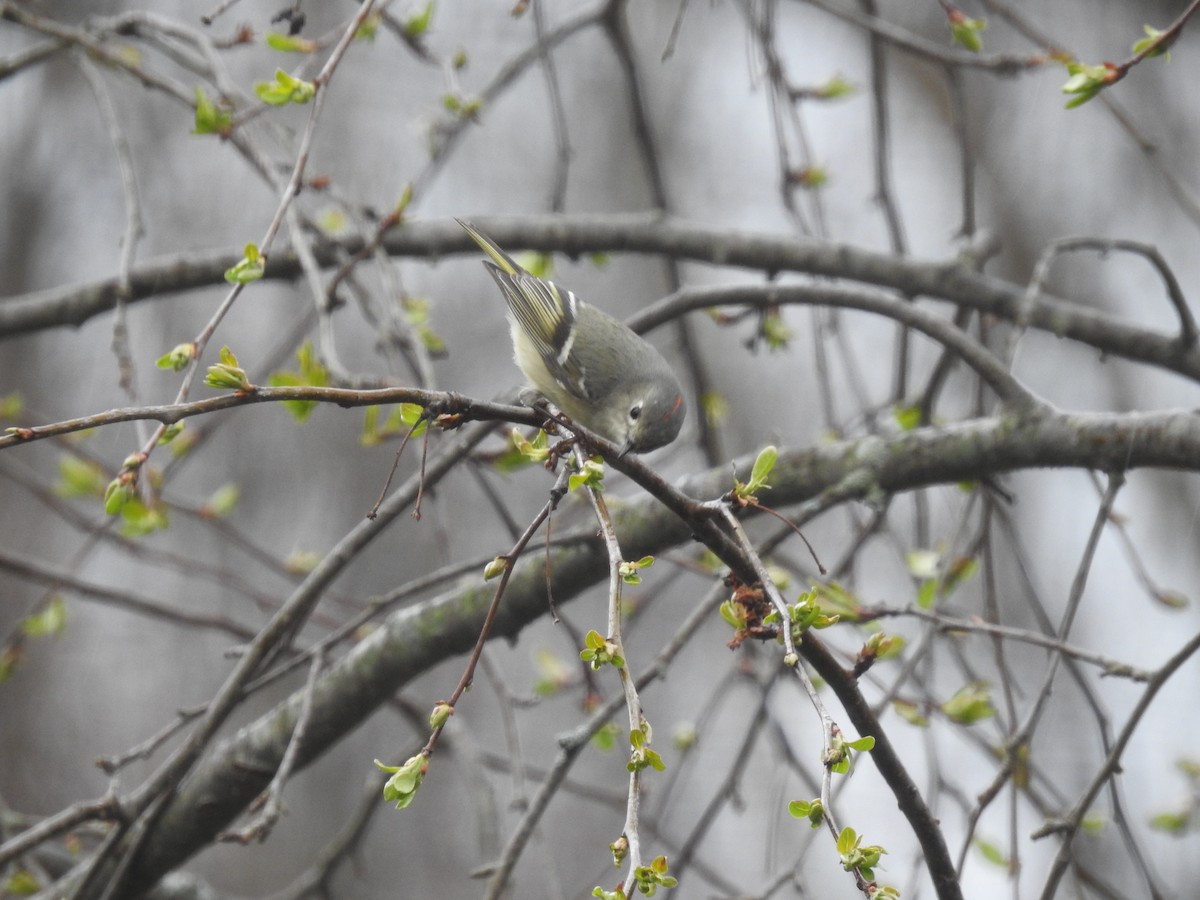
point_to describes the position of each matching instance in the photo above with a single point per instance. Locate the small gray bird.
(585, 362)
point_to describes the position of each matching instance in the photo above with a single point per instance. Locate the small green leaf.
(599, 650)
(222, 502)
(402, 787)
(463, 107)
(961, 568)
(311, 373)
(715, 407)
(836, 599)
(910, 712)
(590, 474)
(522, 451)
(400, 421)
(442, 711)
(10, 406)
(369, 27)
(927, 593)
(1172, 823)
(1189, 767)
(406, 199)
(965, 31)
(171, 432)
(763, 465)
(809, 177)
(284, 89)
(882, 645)
(52, 620)
(417, 24)
(290, 43)
(119, 492)
(227, 373)
(734, 614)
(211, 118)
(855, 857)
(79, 478)
(251, 268)
(24, 883)
(907, 417)
(629, 570)
(605, 738)
(992, 853)
(1087, 81)
(495, 568)
(835, 88)
(1153, 36)
(10, 657)
(971, 704)
(813, 810)
(774, 331)
(178, 357)
(649, 879)
(139, 520)
(554, 675)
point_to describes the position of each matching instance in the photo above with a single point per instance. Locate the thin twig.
(1068, 826)
(260, 827)
(485, 630)
(631, 830)
(573, 743)
(102, 809)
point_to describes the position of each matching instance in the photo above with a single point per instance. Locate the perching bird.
(585, 362)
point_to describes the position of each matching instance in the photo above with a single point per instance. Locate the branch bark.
(578, 235)
(411, 641)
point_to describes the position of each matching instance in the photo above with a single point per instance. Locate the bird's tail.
(499, 257)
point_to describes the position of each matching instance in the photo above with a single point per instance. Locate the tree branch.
(579, 235)
(411, 641)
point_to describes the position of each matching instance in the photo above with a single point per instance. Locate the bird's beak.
(626, 446)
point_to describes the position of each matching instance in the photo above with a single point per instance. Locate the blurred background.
(715, 113)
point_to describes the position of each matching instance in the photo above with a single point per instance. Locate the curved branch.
(411, 641)
(653, 234)
(1003, 64)
(458, 407)
(974, 354)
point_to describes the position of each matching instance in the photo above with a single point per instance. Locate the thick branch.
(578, 235)
(411, 641)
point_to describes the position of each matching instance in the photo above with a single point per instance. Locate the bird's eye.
(635, 412)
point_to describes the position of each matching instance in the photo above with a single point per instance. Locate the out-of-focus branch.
(412, 640)
(578, 235)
